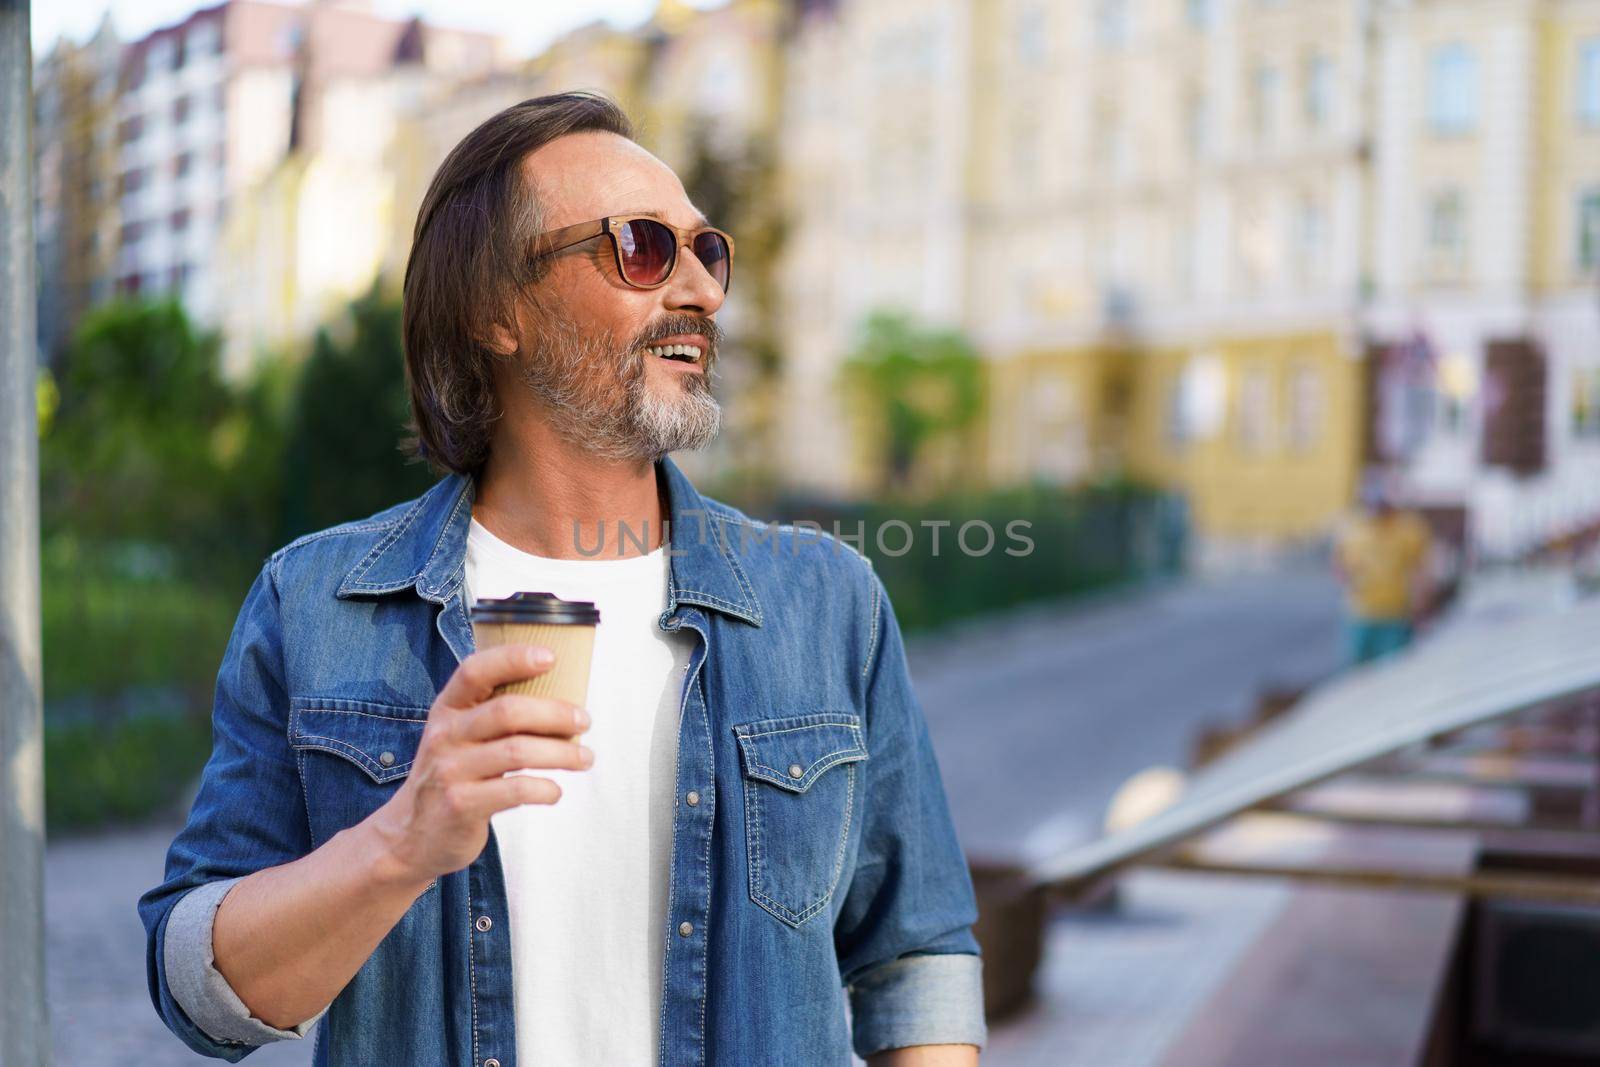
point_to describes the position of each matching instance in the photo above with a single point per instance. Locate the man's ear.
(500, 340)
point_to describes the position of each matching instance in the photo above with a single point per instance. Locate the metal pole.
(24, 1025)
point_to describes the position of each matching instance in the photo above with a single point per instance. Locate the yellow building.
(1147, 215)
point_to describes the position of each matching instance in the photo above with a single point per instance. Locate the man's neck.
(570, 505)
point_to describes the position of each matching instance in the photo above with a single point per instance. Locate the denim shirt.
(818, 867)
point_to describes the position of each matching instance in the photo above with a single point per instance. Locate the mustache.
(673, 325)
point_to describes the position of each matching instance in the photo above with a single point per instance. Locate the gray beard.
(600, 399)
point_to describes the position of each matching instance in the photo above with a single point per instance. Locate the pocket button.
(386, 758)
(796, 771)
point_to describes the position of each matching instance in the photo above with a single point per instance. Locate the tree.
(133, 454)
(921, 385)
(343, 459)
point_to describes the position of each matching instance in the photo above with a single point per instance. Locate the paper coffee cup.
(566, 627)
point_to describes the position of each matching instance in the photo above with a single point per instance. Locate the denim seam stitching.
(717, 602)
(739, 576)
(360, 757)
(852, 724)
(815, 771)
(872, 641)
(472, 972)
(461, 498)
(321, 706)
(757, 867)
(357, 581)
(337, 531)
(785, 527)
(705, 853)
(305, 794)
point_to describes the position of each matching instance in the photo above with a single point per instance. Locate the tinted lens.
(646, 248)
(711, 250)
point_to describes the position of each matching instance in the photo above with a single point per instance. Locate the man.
(1379, 555)
(743, 822)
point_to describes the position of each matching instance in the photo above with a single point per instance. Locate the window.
(180, 220)
(1452, 90)
(1319, 92)
(1589, 82)
(1304, 407)
(204, 38)
(1111, 21)
(1025, 150)
(1032, 35)
(181, 164)
(1175, 424)
(1196, 119)
(1264, 103)
(1586, 402)
(1310, 239)
(1111, 143)
(1200, 12)
(1254, 426)
(130, 129)
(180, 110)
(131, 181)
(1589, 229)
(1446, 230)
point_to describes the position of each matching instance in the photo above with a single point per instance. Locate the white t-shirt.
(586, 878)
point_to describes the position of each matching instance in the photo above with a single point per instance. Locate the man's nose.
(692, 287)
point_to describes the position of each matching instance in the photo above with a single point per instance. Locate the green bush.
(98, 773)
(1082, 539)
(106, 633)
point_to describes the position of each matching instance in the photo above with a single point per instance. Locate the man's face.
(581, 353)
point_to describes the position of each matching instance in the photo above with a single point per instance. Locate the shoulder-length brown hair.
(470, 255)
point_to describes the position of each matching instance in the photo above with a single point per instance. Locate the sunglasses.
(647, 248)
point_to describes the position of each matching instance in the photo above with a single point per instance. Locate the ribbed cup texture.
(572, 644)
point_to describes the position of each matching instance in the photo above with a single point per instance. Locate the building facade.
(1484, 330)
(1147, 215)
(75, 172)
(221, 117)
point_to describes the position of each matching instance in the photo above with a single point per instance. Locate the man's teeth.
(689, 352)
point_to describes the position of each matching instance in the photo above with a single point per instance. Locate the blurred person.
(743, 831)
(1380, 556)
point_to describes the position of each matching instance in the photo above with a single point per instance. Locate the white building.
(1487, 263)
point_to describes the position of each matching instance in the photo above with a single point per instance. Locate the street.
(1037, 717)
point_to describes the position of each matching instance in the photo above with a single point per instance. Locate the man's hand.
(438, 821)
(926, 1056)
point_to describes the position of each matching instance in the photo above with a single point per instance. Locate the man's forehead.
(588, 176)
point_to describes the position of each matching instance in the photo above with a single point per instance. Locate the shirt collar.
(427, 549)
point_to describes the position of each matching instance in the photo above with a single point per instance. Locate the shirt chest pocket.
(799, 799)
(353, 755)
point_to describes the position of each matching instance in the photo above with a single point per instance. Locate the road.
(1037, 718)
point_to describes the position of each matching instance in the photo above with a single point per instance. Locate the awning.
(1470, 675)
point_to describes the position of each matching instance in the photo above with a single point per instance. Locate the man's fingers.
(477, 676)
(516, 713)
(522, 751)
(484, 798)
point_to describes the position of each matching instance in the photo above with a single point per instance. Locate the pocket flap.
(381, 739)
(773, 750)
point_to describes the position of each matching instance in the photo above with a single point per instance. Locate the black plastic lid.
(536, 608)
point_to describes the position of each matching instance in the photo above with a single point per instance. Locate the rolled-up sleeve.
(248, 815)
(196, 984)
(904, 931)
